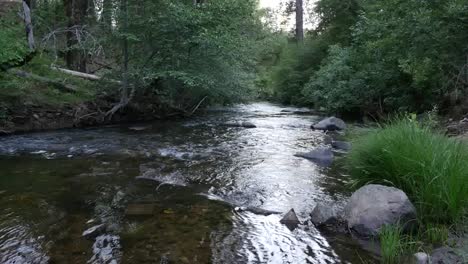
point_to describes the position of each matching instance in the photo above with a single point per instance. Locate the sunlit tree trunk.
(28, 25)
(299, 21)
(125, 52)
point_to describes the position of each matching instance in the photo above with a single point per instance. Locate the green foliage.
(185, 52)
(426, 165)
(378, 72)
(13, 46)
(299, 61)
(337, 85)
(16, 92)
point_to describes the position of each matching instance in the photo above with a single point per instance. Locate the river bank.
(33, 118)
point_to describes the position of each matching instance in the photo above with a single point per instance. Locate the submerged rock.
(324, 214)
(330, 124)
(256, 210)
(341, 145)
(140, 209)
(290, 219)
(373, 206)
(94, 231)
(138, 128)
(245, 124)
(321, 156)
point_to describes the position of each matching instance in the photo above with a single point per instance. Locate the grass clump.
(391, 242)
(429, 167)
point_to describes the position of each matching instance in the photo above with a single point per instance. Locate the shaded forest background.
(168, 58)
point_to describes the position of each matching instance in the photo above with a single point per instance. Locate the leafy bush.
(366, 68)
(430, 167)
(13, 47)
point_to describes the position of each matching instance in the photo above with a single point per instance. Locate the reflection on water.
(150, 188)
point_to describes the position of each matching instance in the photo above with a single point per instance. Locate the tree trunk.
(76, 12)
(299, 21)
(28, 26)
(125, 53)
(125, 96)
(106, 17)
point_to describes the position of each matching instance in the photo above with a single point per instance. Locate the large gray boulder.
(321, 156)
(330, 124)
(373, 206)
(324, 214)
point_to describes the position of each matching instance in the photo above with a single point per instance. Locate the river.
(170, 192)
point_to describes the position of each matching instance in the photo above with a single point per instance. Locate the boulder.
(445, 255)
(321, 156)
(373, 206)
(341, 145)
(324, 214)
(290, 220)
(330, 124)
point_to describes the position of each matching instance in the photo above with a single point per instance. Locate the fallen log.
(83, 75)
(58, 84)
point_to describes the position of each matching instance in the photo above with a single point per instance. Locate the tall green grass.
(429, 167)
(391, 244)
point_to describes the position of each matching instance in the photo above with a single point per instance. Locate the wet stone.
(138, 128)
(341, 145)
(324, 214)
(290, 220)
(330, 124)
(140, 209)
(94, 231)
(321, 156)
(421, 258)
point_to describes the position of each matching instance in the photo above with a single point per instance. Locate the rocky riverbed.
(192, 191)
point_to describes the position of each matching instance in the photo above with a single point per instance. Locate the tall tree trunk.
(125, 53)
(299, 21)
(125, 95)
(106, 17)
(91, 11)
(76, 12)
(28, 25)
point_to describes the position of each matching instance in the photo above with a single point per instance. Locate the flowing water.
(171, 192)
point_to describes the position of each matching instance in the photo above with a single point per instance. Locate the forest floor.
(30, 105)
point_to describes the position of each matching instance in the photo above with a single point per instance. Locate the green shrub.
(431, 168)
(13, 47)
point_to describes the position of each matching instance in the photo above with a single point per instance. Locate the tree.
(75, 11)
(299, 21)
(28, 24)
